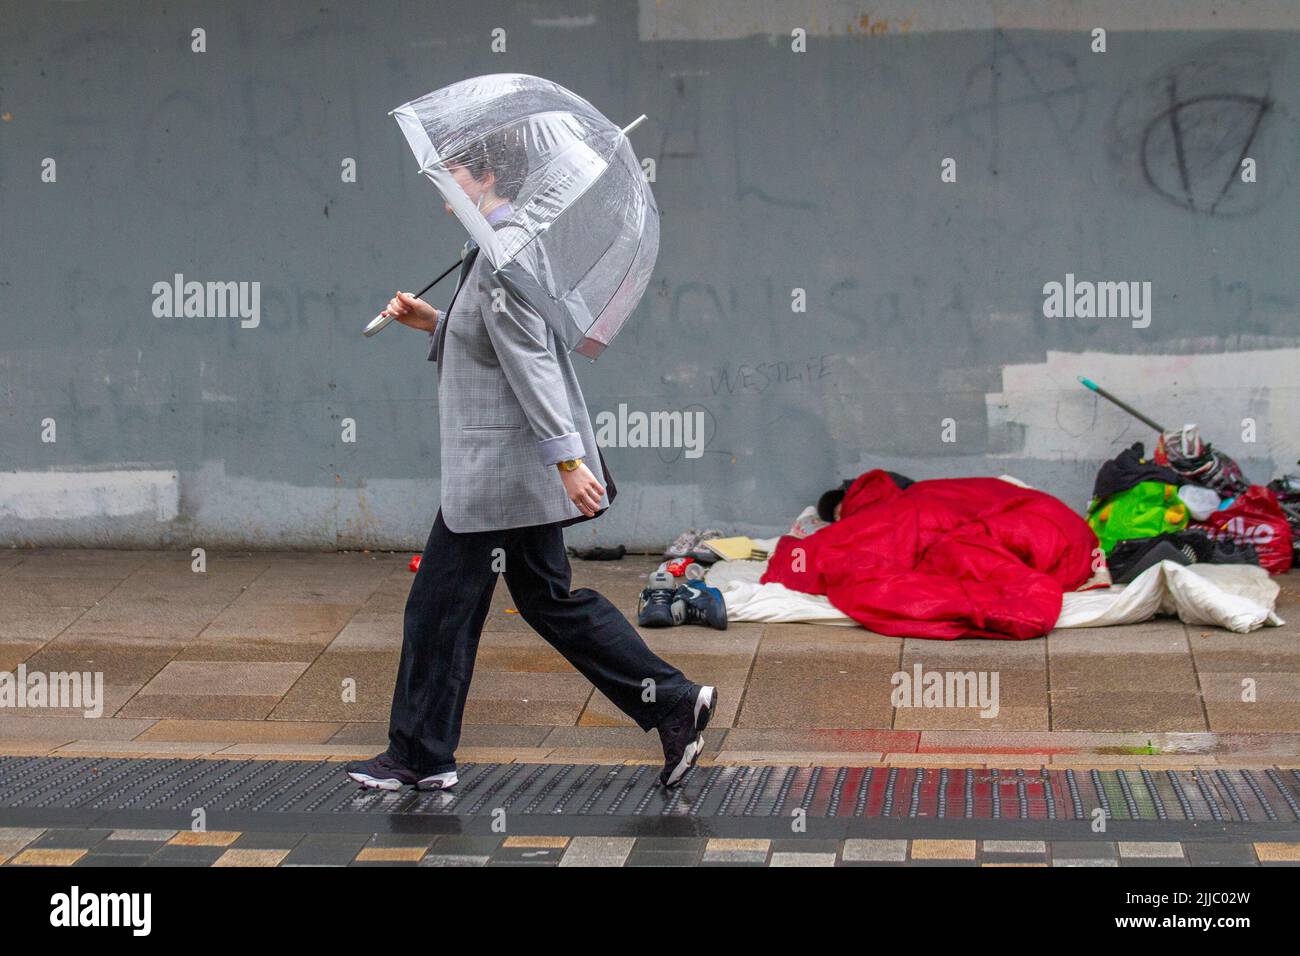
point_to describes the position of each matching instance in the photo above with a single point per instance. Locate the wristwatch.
(569, 464)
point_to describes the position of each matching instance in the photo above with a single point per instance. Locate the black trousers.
(449, 602)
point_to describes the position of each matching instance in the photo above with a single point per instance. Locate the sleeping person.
(828, 505)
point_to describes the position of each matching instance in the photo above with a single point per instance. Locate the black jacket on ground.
(1128, 469)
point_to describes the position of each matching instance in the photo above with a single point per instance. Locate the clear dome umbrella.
(572, 227)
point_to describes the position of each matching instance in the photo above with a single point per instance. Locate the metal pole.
(1089, 383)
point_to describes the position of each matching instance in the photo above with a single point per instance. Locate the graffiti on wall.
(1189, 128)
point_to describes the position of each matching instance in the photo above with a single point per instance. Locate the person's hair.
(827, 502)
(502, 153)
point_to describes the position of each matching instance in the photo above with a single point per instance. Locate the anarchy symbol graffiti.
(1192, 128)
(1192, 153)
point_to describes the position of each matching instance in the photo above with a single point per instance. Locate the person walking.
(518, 452)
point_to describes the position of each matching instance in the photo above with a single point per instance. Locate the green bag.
(1147, 509)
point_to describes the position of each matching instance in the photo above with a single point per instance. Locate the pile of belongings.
(1266, 517)
(943, 558)
(709, 545)
(691, 543)
(1198, 464)
(1190, 505)
(1287, 491)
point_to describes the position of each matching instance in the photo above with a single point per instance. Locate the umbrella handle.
(382, 320)
(377, 324)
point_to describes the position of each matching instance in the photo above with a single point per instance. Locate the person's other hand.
(409, 310)
(583, 488)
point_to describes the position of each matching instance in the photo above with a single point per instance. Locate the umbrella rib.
(640, 241)
(626, 272)
(533, 236)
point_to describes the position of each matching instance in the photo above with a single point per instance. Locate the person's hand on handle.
(583, 488)
(409, 310)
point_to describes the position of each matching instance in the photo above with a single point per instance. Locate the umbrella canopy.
(572, 227)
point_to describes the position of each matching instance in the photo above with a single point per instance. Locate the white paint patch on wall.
(565, 23)
(735, 19)
(72, 495)
(1059, 420)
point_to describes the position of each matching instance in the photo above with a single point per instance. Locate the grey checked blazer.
(509, 408)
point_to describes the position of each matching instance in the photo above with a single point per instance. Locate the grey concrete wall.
(775, 170)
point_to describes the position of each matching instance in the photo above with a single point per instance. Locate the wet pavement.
(293, 655)
(128, 848)
(61, 811)
(232, 696)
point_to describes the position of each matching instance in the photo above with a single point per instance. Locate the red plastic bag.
(1254, 518)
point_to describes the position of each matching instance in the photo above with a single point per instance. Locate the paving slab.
(597, 851)
(343, 686)
(244, 731)
(875, 851)
(207, 662)
(36, 624)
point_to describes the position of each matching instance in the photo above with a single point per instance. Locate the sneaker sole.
(376, 783)
(704, 707)
(438, 782)
(392, 783)
(708, 706)
(689, 758)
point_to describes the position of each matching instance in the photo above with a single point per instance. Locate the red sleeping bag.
(947, 558)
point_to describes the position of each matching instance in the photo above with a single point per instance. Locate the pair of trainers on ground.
(668, 601)
(681, 733)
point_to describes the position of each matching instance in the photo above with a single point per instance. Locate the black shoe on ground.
(704, 605)
(681, 733)
(659, 604)
(384, 773)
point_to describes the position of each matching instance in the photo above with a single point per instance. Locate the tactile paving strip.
(91, 788)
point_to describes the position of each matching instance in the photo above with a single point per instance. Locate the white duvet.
(1238, 597)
